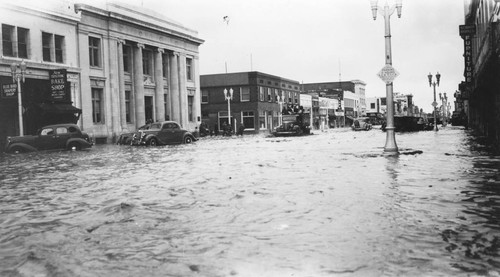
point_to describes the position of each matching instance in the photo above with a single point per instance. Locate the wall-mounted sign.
(467, 32)
(58, 85)
(9, 90)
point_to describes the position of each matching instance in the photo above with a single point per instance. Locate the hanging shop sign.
(9, 90)
(58, 85)
(467, 32)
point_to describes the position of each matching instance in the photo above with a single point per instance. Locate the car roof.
(60, 125)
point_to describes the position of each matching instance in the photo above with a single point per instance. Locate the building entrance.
(148, 108)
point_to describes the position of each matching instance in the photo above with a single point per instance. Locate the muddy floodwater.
(328, 204)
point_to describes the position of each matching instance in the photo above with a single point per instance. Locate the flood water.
(328, 204)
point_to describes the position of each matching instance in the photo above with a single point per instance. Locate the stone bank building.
(123, 65)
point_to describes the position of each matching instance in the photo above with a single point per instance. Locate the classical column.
(140, 117)
(174, 87)
(121, 84)
(197, 95)
(114, 83)
(159, 91)
(183, 91)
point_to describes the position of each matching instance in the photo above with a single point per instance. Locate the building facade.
(43, 38)
(479, 93)
(257, 100)
(136, 66)
(108, 68)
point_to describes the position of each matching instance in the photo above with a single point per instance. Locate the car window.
(61, 130)
(47, 132)
(72, 129)
(156, 126)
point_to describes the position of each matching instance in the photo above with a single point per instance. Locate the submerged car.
(162, 133)
(361, 124)
(294, 125)
(126, 138)
(58, 136)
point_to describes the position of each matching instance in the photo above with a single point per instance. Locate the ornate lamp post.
(388, 73)
(280, 102)
(17, 76)
(228, 97)
(431, 83)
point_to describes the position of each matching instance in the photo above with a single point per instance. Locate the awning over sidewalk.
(59, 108)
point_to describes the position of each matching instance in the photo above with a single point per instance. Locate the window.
(97, 106)
(248, 120)
(372, 105)
(244, 94)
(269, 95)
(290, 97)
(190, 108)
(276, 95)
(204, 96)
(261, 93)
(94, 52)
(189, 72)
(147, 62)
(126, 58)
(223, 118)
(61, 130)
(296, 98)
(262, 119)
(59, 44)
(8, 40)
(127, 106)
(46, 46)
(47, 132)
(22, 42)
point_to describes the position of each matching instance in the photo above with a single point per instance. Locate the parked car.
(59, 136)
(294, 125)
(361, 124)
(162, 133)
(126, 138)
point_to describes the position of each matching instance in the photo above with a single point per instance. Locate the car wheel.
(74, 146)
(188, 139)
(153, 142)
(16, 150)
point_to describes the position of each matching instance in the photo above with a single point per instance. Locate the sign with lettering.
(58, 85)
(467, 30)
(468, 66)
(388, 74)
(9, 90)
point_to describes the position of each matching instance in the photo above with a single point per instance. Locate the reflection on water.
(323, 205)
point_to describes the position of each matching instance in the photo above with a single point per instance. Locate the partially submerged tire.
(17, 149)
(74, 146)
(152, 142)
(188, 139)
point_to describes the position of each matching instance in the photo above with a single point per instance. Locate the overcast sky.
(315, 40)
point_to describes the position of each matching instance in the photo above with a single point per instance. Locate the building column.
(159, 91)
(197, 95)
(114, 83)
(140, 117)
(121, 85)
(174, 87)
(184, 121)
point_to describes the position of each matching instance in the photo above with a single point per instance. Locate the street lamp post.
(280, 102)
(17, 76)
(431, 83)
(386, 12)
(228, 97)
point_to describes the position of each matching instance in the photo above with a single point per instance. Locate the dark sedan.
(58, 136)
(162, 133)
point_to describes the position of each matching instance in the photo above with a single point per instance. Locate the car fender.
(25, 146)
(189, 135)
(79, 140)
(150, 136)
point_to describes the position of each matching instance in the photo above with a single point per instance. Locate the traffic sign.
(388, 74)
(434, 104)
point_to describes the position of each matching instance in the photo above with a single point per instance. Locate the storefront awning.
(350, 117)
(59, 108)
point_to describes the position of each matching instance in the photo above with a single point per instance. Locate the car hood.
(21, 138)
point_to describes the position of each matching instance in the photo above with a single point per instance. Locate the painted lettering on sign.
(468, 65)
(9, 90)
(58, 85)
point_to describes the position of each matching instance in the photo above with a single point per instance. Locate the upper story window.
(244, 94)
(94, 52)
(22, 42)
(164, 61)
(46, 46)
(204, 96)
(261, 93)
(147, 62)
(126, 58)
(15, 43)
(269, 95)
(59, 46)
(189, 69)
